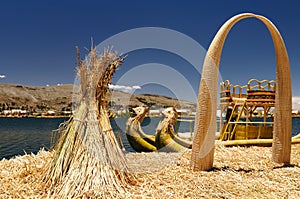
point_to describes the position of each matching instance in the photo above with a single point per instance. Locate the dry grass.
(20, 177)
(238, 172)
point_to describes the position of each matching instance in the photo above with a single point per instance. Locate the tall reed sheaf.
(87, 159)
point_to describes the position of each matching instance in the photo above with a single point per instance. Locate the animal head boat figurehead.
(166, 139)
(140, 112)
(171, 115)
(139, 141)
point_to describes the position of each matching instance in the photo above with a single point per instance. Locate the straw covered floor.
(238, 172)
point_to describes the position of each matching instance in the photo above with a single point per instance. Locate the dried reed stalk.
(205, 126)
(87, 159)
(252, 142)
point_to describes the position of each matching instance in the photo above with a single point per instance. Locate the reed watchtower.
(247, 110)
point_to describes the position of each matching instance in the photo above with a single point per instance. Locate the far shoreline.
(51, 117)
(62, 116)
(38, 117)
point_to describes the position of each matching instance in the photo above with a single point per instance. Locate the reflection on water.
(19, 135)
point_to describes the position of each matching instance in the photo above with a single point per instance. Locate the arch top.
(215, 50)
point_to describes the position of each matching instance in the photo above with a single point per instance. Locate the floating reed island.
(238, 172)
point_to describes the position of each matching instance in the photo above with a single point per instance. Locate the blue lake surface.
(20, 135)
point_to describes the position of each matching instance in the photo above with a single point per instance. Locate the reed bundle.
(88, 161)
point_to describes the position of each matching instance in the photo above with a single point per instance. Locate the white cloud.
(296, 102)
(127, 89)
(2, 76)
(136, 87)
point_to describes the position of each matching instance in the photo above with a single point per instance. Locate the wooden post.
(205, 124)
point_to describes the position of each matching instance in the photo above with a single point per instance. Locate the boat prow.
(138, 140)
(165, 138)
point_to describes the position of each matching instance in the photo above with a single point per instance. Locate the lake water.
(20, 135)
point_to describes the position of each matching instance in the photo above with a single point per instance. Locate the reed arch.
(205, 124)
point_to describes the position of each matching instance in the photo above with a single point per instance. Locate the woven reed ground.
(238, 173)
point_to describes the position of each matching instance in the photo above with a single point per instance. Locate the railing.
(270, 85)
(185, 120)
(230, 91)
(191, 125)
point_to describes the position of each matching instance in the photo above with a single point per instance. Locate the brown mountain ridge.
(58, 98)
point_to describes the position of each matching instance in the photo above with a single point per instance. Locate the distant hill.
(59, 98)
(38, 98)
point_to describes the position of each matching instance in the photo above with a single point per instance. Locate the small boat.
(165, 138)
(138, 140)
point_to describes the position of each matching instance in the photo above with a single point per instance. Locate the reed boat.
(138, 140)
(247, 112)
(166, 139)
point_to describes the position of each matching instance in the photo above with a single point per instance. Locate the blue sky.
(38, 38)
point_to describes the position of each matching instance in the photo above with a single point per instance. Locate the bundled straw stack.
(87, 159)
